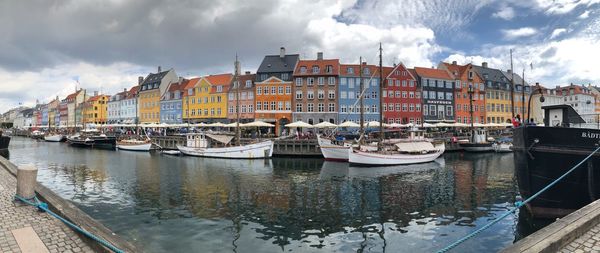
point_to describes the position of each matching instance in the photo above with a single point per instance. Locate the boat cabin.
(561, 116)
(478, 136)
(202, 140)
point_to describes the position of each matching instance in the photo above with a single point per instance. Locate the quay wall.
(75, 215)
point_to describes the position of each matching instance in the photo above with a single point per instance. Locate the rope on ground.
(44, 208)
(518, 205)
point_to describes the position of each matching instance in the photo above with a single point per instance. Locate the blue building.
(171, 103)
(44, 115)
(349, 92)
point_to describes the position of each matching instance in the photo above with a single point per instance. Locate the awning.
(220, 138)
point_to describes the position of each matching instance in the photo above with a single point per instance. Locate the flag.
(531, 65)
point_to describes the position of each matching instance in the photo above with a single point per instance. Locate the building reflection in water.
(179, 204)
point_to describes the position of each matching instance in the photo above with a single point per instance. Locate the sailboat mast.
(512, 87)
(360, 94)
(382, 134)
(523, 97)
(236, 84)
(470, 91)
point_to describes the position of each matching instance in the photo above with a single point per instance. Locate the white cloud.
(563, 6)
(511, 34)
(506, 13)
(584, 15)
(557, 32)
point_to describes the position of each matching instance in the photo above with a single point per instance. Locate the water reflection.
(183, 204)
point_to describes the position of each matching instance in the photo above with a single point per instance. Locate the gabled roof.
(459, 70)
(132, 93)
(190, 85)
(308, 64)
(155, 77)
(73, 95)
(271, 79)
(276, 64)
(518, 79)
(433, 73)
(95, 98)
(412, 74)
(242, 80)
(220, 79)
(373, 70)
(490, 74)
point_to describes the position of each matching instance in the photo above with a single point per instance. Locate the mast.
(523, 98)
(236, 84)
(470, 91)
(360, 94)
(382, 134)
(512, 87)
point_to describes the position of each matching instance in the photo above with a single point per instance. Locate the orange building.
(467, 77)
(273, 103)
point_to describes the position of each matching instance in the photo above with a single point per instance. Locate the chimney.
(453, 62)
(124, 89)
(140, 79)
(159, 69)
(180, 79)
(282, 52)
(247, 72)
(509, 71)
(95, 93)
(484, 64)
(319, 55)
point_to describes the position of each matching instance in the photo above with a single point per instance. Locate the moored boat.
(478, 142)
(55, 138)
(218, 146)
(36, 134)
(134, 145)
(544, 153)
(4, 141)
(410, 152)
(503, 145)
(93, 139)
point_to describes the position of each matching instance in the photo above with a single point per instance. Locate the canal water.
(189, 204)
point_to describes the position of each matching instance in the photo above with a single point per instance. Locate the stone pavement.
(588, 242)
(55, 235)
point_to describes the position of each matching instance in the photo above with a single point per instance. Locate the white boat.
(503, 147)
(134, 145)
(36, 134)
(171, 152)
(405, 153)
(336, 150)
(217, 146)
(55, 138)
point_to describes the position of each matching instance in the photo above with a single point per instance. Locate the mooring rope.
(518, 205)
(44, 208)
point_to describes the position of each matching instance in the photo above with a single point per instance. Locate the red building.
(401, 97)
(246, 98)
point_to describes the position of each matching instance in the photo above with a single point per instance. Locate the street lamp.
(542, 99)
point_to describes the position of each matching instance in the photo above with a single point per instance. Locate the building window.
(258, 105)
(403, 83)
(321, 94)
(299, 81)
(374, 94)
(432, 110)
(285, 76)
(331, 107)
(263, 77)
(404, 94)
(310, 81)
(280, 105)
(248, 83)
(350, 70)
(315, 69)
(280, 90)
(288, 106)
(258, 90)
(374, 108)
(331, 94)
(310, 107)
(303, 69)
(321, 80)
(343, 108)
(298, 107)
(310, 94)
(321, 107)
(404, 107)
(418, 107)
(273, 90)
(411, 107)
(343, 94)
(448, 110)
(331, 80)
(328, 69)
(220, 88)
(288, 90)
(398, 107)
(411, 83)
(273, 105)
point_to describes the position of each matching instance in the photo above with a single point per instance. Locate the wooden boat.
(91, 138)
(218, 146)
(134, 145)
(413, 150)
(36, 134)
(337, 150)
(478, 142)
(55, 138)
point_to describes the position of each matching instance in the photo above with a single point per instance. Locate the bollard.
(26, 181)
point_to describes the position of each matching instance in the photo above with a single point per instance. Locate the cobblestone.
(588, 242)
(51, 231)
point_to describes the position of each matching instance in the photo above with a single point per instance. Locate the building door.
(440, 112)
(282, 123)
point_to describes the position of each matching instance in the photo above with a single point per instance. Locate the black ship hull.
(94, 142)
(542, 154)
(4, 141)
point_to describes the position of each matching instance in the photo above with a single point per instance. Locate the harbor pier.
(23, 228)
(576, 232)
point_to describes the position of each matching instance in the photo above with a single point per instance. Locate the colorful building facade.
(245, 94)
(95, 109)
(438, 94)
(150, 91)
(171, 105)
(314, 90)
(349, 92)
(466, 80)
(497, 94)
(401, 97)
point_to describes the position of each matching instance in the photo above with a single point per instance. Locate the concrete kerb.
(75, 215)
(560, 233)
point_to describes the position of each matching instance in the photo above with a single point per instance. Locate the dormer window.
(220, 88)
(315, 69)
(350, 70)
(328, 69)
(303, 70)
(470, 74)
(248, 83)
(366, 71)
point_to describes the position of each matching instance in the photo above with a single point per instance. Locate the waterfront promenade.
(24, 229)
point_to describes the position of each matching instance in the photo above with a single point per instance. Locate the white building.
(579, 97)
(128, 107)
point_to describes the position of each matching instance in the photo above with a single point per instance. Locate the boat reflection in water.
(182, 204)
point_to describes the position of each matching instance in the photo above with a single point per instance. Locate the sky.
(50, 48)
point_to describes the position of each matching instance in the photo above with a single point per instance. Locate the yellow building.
(497, 104)
(206, 101)
(150, 91)
(95, 110)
